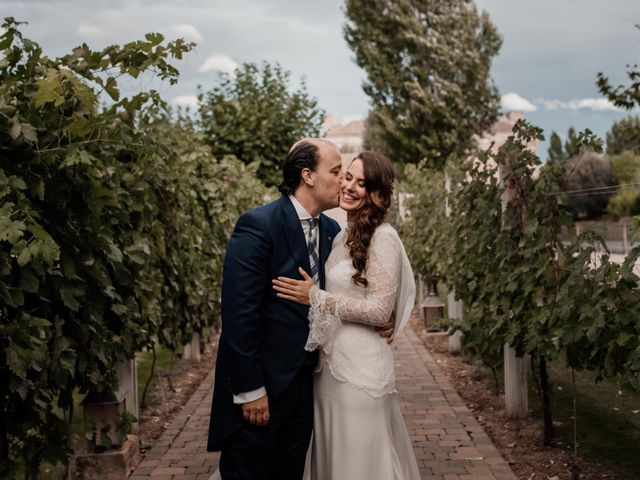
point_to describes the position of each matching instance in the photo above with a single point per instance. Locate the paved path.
(448, 441)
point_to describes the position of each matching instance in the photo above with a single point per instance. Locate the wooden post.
(454, 307)
(516, 397)
(625, 240)
(515, 367)
(420, 297)
(454, 310)
(127, 374)
(192, 349)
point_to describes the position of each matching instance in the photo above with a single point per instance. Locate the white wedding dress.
(359, 432)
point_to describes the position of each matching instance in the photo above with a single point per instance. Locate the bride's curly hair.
(378, 181)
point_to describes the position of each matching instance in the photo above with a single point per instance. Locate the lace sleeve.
(383, 270)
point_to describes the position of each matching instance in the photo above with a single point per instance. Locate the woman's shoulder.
(385, 231)
(385, 239)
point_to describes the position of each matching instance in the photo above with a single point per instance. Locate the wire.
(601, 190)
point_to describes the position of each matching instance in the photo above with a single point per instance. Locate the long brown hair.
(378, 183)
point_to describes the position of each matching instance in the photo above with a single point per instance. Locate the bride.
(359, 432)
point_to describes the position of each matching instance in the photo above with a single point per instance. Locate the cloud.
(107, 25)
(186, 101)
(219, 63)
(186, 31)
(514, 102)
(595, 104)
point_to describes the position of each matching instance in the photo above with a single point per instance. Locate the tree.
(586, 172)
(555, 150)
(625, 167)
(373, 136)
(428, 74)
(623, 97)
(256, 117)
(624, 135)
(571, 148)
(626, 170)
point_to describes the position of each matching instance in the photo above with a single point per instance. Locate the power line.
(597, 190)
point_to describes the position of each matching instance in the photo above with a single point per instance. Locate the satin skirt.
(357, 436)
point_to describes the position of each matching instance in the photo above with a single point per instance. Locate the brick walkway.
(448, 441)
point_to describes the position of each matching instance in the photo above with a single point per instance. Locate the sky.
(552, 49)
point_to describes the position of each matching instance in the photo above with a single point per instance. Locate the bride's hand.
(294, 290)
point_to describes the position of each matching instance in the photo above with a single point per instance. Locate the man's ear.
(307, 176)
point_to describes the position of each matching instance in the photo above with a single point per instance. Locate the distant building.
(349, 138)
(500, 131)
(498, 134)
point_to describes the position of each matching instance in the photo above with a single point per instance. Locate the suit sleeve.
(244, 284)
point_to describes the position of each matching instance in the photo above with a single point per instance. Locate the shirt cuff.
(246, 397)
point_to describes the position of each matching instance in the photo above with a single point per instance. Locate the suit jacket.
(263, 337)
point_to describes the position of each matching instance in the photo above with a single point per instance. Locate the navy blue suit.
(263, 337)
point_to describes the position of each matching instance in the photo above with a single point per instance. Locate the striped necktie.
(312, 245)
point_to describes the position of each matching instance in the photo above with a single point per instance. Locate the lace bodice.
(342, 317)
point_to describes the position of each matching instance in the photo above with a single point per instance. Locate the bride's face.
(352, 189)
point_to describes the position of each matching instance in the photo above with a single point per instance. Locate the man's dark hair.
(303, 155)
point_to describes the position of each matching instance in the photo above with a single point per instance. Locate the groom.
(262, 409)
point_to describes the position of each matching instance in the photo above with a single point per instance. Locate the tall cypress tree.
(428, 74)
(555, 149)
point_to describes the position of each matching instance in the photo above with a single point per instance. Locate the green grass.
(608, 430)
(143, 363)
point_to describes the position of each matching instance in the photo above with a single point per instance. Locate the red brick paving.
(448, 441)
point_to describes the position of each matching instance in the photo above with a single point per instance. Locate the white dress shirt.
(304, 216)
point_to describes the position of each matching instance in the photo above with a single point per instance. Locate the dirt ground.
(170, 393)
(519, 442)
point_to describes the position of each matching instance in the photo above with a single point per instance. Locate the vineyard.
(113, 225)
(115, 213)
(501, 250)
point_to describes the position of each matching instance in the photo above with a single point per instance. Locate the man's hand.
(257, 412)
(386, 330)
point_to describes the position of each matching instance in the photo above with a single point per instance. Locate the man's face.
(326, 188)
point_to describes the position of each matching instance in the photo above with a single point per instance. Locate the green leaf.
(113, 252)
(15, 129)
(17, 183)
(112, 89)
(68, 361)
(154, 38)
(29, 281)
(49, 90)
(77, 157)
(39, 189)
(69, 295)
(13, 231)
(29, 132)
(26, 254)
(19, 359)
(68, 266)
(624, 338)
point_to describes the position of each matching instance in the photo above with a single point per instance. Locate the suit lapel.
(293, 234)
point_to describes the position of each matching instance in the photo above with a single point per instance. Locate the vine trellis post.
(454, 307)
(515, 366)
